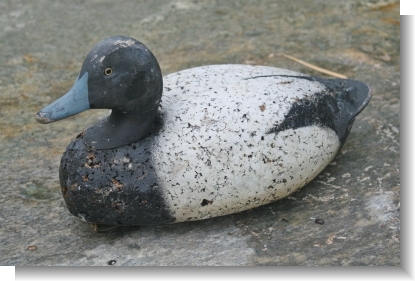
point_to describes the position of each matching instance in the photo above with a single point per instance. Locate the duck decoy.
(221, 139)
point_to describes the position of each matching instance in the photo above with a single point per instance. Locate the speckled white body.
(213, 155)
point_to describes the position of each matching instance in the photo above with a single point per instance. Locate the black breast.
(114, 186)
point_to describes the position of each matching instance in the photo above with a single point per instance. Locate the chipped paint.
(368, 168)
(226, 148)
(230, 160)
(124, 43)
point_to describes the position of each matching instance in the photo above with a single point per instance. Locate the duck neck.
(120, 128)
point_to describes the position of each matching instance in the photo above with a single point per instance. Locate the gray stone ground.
(43, 44)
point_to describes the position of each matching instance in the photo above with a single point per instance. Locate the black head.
(121, 74)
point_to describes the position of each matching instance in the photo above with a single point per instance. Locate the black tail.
(336, 107)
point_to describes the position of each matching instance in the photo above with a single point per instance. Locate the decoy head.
(121, 74)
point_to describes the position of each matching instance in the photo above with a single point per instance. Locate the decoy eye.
(108, 71)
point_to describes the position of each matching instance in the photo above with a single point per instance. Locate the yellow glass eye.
(108, 71)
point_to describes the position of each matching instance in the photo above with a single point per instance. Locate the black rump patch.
(334, 108)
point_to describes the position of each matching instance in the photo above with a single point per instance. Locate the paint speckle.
(363, 179)
(319, 221)
(331, 179)
(32, 248)
(206, 202)
(329, 240)
(230, 155)
(368, 168)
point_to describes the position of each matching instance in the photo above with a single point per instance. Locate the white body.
(214, 156)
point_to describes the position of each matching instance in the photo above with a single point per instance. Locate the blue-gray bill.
(73, 102)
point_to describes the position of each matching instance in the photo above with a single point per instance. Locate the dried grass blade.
(316, 68)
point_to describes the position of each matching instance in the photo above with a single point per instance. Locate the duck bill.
(73, 102)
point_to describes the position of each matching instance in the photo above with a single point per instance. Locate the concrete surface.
(43, 44)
